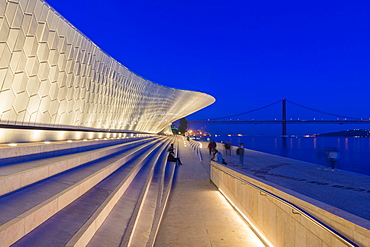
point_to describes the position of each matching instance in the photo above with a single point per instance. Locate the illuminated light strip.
(254, 228)
(293, 207)
(12, 144)
(47, 142)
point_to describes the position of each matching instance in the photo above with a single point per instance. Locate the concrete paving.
(197, 214)
(346, 191)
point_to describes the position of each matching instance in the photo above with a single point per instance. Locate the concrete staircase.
(95, 193)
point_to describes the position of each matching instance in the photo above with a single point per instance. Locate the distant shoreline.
(345, 133)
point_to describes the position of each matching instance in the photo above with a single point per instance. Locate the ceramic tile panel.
(30, 7)
(23, 5)
(10, 11)
(4, 30)
(2, 7)
(51, 74)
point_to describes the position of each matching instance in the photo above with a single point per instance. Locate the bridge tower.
(283, 117)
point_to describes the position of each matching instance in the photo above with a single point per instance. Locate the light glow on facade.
(51, 75)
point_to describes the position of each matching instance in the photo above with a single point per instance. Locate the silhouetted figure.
(211, 145)
(227, 148)
(240, 153)
(171, 148)
(171, 157)
(333, 156)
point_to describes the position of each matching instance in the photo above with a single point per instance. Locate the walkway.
(197, 214)
(348, 192)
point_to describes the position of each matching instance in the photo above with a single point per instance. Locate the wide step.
(116, 198)
(25, 209)
(134, 221)
(69, 220)
(17, 175)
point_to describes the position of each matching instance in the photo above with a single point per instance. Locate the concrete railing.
(281, 218)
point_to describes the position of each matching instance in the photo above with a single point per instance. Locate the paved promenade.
(197, 214)
(346, 191)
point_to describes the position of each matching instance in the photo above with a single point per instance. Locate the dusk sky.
(246, 54)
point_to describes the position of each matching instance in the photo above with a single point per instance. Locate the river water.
(354, 153)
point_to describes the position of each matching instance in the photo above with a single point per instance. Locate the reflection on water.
(354, 152)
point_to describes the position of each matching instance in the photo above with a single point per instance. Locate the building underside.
(53, 77)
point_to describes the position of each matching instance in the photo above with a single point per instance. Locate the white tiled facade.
(52, 75)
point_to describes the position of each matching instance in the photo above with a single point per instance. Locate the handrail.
(295, 209)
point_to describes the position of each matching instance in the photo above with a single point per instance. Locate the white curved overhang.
(52, 75)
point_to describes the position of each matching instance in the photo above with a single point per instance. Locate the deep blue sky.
(244, 53)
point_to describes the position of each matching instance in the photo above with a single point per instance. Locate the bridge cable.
(312, 109)
(260, 108)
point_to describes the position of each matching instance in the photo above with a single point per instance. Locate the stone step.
(16, 176)
(33, 151)
(149, 208)
(57, 231)
(136, 214)
(25, 209)
(169, 174)
(145, 205)
(137, 180)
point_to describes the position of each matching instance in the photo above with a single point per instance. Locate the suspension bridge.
(324, 117)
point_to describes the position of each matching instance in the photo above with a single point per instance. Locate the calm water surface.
(354, 153)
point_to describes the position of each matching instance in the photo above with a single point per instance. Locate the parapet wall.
(52, 75)
(282, 218)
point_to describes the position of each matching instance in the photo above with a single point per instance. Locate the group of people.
(217, 156)
(331, 153)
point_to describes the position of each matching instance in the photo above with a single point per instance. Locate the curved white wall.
(52, 75)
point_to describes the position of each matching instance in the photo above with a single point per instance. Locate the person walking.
(211, 145)
(227, 148)
(240, 153)
(333, 156)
